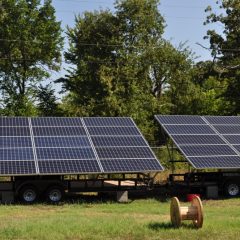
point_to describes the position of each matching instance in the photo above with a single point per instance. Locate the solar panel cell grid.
(130, 165)
(207, 150)
(225, 120)
(233, 139)
(15, 142)
(14, 121)
(58, 131)
(11, 154)
(113, 131)
(17, 168)
(189, 129)
(64, 153)
(197, 139)
(68, 145)
(216, 162)
(178, 119)
(14, 131)
(68, 166)
(57, 121)
(73, 142)
(120, 152)
(110, 121)
(228, 129)
(215, 144)
(118, 141)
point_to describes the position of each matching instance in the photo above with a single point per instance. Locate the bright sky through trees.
(184, 20)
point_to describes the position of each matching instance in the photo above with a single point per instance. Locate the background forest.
(120, 64)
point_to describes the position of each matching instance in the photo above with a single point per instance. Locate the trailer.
(49, 156)
(211, 146)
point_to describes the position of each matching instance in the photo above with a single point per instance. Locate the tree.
(47, 105)
(225, 49)
(30, 47)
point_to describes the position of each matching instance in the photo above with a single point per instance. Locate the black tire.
(28, 194)
(232, 189)
(55, 194)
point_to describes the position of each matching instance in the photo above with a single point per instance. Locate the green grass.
(140, 219)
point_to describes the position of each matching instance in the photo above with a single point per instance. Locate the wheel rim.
(55, 195)
(29, 195)
(233, 189)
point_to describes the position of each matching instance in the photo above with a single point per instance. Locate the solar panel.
(120, 145)
(58, 131)
(108, 122)
(114, 131)
(225, 120)
(119, 141)
(206, 141)
(12, 168)
(30, 146)
(9, 131)
(68, 167)
(64, 153)
(215, 162)
(189, 129)
(197, 139)
(124, 152)
(74, 141)
(130, 165)
(56, 122)
(15, 142)
(14, 121)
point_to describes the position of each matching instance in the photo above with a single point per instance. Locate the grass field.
(139, 219)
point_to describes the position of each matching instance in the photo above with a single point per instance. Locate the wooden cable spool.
(193, 212)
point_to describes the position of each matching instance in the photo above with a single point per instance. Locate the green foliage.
(30, 46)
(123, 66)
(47, 102)
(225, 48)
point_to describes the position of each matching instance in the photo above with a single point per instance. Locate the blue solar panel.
(59, 142)
(233, 139)
(58, 131)
(225, 120)
(17, 168)
(68, 167)
(14, 121)
(64, 153)
(11, 154)
(30, 146)
(208, 145)
(15, 142)
(178, 119)
(207, 150)
(114, 131)
(14, 131)
(108, 121)
(121, 152)
(130, 165)
(215, 162)
(56, 121)
(228, 129)
(197, 139)
(189, 129)
(118, 141)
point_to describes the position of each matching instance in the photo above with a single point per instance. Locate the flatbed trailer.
(225, 183)
(29, 189)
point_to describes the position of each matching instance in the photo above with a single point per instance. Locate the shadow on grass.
(156, 226)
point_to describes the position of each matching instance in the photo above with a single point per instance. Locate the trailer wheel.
(28, 194)
(231, 189)
(55, 194)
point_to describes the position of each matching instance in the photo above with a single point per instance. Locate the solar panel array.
(205, 141)
(30, 146)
